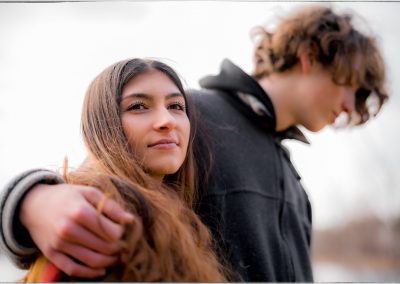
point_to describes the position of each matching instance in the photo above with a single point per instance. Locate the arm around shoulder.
(15, 240)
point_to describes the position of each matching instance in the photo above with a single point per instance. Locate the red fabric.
(43, 271)
(50, 273)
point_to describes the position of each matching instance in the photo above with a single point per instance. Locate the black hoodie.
(253, 202)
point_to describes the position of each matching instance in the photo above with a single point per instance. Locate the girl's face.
(155, 122)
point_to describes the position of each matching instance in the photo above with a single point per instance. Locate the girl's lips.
(164, 144)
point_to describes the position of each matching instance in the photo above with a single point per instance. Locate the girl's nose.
(164, 120)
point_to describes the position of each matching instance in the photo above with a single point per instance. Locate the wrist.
(32, 197)
(15, 238)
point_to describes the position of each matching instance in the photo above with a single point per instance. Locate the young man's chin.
(316, 127)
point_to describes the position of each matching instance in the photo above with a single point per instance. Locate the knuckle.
(58, 244)
(64, 229)
(78, 213)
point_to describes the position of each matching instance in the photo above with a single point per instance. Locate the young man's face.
(321, 100)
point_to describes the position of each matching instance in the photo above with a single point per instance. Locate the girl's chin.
(160, 173)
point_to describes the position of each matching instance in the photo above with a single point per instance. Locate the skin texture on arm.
(73, 236)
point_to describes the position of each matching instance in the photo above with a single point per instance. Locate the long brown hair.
(167, 242)
(331, 40)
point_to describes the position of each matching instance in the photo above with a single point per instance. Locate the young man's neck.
(279, 88)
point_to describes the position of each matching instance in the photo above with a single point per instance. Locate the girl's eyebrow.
(149, 97)
(174, 95)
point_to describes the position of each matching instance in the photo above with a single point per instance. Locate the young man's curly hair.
(330, 39)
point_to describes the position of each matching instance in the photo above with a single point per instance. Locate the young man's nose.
(349, 101)
(164, 120)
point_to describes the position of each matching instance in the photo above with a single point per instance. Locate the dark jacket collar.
(232, 80)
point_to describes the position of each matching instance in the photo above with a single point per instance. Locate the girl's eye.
(177, 106)
(137, 106)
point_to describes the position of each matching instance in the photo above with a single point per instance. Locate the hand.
(64, 223)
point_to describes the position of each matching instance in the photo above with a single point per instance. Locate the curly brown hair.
(332, 40)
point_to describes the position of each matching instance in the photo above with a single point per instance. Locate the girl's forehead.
(151, 77)
(152, 83)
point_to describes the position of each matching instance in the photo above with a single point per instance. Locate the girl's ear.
(305, 62)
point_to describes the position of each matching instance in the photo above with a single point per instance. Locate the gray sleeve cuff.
(15, 240)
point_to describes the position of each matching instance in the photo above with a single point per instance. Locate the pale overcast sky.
(49, 53)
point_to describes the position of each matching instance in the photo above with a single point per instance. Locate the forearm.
(15, 240)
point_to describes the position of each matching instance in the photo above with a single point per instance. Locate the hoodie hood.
(232, 80)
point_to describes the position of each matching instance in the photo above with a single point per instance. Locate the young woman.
(136, 125)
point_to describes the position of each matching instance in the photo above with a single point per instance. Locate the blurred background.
(50, 52)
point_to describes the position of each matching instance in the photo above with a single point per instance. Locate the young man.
(313, 67)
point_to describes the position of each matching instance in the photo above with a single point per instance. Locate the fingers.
(110, 207)
(86, 256)
(107, 225)
(66, 227)
(73, 268)
(76, 234)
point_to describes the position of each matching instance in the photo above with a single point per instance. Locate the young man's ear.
(305, 62)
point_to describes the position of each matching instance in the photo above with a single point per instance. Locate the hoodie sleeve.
(15, 240)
